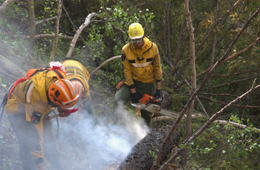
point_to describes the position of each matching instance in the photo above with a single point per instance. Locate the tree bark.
(193, 78)
(32, 25)
(55, 41)
(141, 158)
(76, 36)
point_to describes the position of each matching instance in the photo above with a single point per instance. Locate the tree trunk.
(193, 77)
(55, 41)
(32, 25)
(141, 157)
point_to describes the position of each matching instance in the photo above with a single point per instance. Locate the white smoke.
(99, 143)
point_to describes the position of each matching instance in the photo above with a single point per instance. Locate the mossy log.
(142, 154)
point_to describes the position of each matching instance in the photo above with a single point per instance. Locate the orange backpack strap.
(32, 72)
(20, 80)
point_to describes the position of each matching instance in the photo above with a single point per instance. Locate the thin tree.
(32, 25)
(76, 36)
(55, 41)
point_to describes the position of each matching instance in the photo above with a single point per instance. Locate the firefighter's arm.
(65, 112)
(127, 70)
(157, 70)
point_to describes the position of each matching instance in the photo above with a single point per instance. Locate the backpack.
(31, 73)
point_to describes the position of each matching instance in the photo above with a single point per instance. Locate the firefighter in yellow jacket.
(142, 69)
(79, 76)
(28, 103)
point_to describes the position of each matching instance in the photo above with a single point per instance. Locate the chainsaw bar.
(155, 108)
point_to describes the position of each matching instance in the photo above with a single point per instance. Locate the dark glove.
(157, 94)
(135, 98)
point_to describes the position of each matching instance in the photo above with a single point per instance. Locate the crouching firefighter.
(27, 103)
(79, 77)
(142, 70)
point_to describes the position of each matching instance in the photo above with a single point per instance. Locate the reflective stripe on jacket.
(142, 65)
(76, 71)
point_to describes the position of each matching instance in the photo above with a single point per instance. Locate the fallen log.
(143, 153)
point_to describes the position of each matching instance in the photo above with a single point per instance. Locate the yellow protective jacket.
(30, 97)
(76, 71)
(142, 65)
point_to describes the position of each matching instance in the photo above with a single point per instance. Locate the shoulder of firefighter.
(30, 97)
(76, 71)
(141, 65)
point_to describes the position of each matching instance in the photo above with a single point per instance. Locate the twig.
(213, 26)
(47, 36)
(72, 23)
(45, 20)
(236, 81)
(239, 106)
(234, 55)
(235, 74)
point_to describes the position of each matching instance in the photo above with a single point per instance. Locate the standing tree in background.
(32, 24)
(55, 41)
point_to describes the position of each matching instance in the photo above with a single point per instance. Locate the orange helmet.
(78, 86)
(63, 93)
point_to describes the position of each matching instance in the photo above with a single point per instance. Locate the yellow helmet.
(135, 31)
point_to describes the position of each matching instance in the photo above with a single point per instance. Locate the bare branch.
(45, 20)
(241, 126)
(101, 65)
(235, 74)
(233, 56)
(47, 36)
(3, 6)
(239, 106)
(236, 81)
(76, 36)
(121, 31)
(160, 118)
(55, 42)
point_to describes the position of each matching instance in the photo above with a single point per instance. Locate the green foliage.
(226, 147)
(154, 153)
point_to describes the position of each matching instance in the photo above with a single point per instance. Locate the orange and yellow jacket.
(30, 97)
(142, 65)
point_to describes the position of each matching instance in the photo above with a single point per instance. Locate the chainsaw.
(153, 105)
